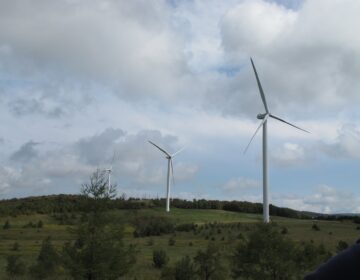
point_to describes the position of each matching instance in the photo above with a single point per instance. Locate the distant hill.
(73, 203)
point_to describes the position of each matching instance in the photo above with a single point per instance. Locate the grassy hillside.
(224, 229)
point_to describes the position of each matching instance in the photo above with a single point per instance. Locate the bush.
(160, 258)
(342, 245)
(47, 261)
(315, 227)
(15, 246)
(153, 226)
(40, 224)
(172, 241)
(6, 225)
(186, 227)
(15, 266)
(184, 269)
(267, 252)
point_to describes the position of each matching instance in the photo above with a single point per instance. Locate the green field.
(187, 243)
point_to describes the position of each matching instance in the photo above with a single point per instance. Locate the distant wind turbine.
(169, 157)
(109, 171)
(263, 124)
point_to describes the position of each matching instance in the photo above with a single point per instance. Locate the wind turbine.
(264, 117)
(169, 157)
(109, 170)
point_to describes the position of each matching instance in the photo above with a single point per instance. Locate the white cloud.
(255, 25)
(240, 184)
(324, 199)
(289, 154)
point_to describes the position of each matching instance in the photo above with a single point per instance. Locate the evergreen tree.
(99, 252)
(209, 262)
(267, 255)
(6, 225)
(160, 258)
(15, 266)
(47, 261)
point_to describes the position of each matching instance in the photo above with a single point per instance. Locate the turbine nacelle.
(262, 116)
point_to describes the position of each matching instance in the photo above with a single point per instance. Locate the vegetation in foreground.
(107, 243)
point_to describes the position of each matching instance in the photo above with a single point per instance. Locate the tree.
(6, 225)
(160, 258)
(184, 269)
(40, 224)
(209, 263)
(99, 251)
(15, 246)
(266, 255)
(47, 262)
(15, 266)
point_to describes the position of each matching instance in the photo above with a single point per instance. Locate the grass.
(29, 239)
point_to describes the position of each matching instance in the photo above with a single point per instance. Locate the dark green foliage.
(6, 225)
(209, 263)
(160, 258)
(72, 203)
(150, 242)
(15, 246)
(30, 225)
(47, 262)
(315, 227)
(171, 241)
(184, 269)
(99, 252)
(15, 266)
(186, 227)
(152, 226)
(342, 245)
(284, 230)
(40, 224)
(267, 254)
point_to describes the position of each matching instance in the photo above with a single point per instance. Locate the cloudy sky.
(80, 80)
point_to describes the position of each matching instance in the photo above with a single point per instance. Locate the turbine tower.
(169, 157)
(109, 170)
(264, 117)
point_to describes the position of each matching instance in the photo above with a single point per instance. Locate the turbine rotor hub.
(261, 116)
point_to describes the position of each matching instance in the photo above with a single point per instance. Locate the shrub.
(47, 261)
(150, 242)
(6, 225)
(172, 241)
(186, 227)
(315, 227)
(150, 226)
(15, 246)
(40, 224)
(341, 246)
(160, 258)
(15, 266)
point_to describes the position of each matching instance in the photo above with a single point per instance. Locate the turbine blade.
(165, 152)
(260, 87)
(172, 171)
(174, 154)
(277, 118)
(256, 131)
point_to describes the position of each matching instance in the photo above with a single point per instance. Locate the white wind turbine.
(109, 171)
(263, 124)
(169, 157)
